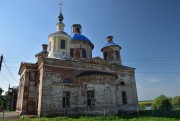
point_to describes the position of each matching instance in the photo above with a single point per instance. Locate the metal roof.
(110, 44)
(80, 37)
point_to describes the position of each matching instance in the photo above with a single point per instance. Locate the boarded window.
(63, 44)
(105, 55)
(124, 98)
(66, 99)
(90, 97)
(117, 54)
(83, 53)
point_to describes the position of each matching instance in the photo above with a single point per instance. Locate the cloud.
(154, 80)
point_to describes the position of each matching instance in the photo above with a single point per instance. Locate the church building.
(68, 80)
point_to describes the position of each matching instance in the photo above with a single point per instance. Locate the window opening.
(71, 52)
(90, 97)
(83, 53)
(117, 54)
(66, 80)
(63, 44)
(124, 98)
(122, 83)
(105, 55)
(66, 99)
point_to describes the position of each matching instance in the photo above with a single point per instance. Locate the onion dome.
(80, 37)
(111, 52)
(77, 36)
(110, 42)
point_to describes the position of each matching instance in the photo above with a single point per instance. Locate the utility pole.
(1, 61)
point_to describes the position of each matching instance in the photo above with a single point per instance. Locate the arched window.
(83, 53)
(117, 54)
(66, 80)
(71, 52)
(105, 55)
(122, 83)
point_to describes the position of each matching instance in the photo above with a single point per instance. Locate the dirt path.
(9, 116)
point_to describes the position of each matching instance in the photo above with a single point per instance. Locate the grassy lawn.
(7, 112)
(101, 118)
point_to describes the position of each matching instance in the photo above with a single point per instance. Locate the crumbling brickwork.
(43, 89)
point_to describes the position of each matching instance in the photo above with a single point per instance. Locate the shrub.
(176, 102)
(161, 102)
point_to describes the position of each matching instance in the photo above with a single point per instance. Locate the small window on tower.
(71, 52)
(117, 54)
(63, 44)
(105, 55)
(83, 53)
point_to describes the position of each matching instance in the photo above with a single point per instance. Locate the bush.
(161, 102)
(176, 102)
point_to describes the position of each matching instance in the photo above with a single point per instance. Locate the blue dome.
(110, 44)
(80, 37)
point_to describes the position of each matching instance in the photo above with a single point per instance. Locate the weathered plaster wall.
(111, 55)
(26, 93)
(41, 88)
(107, 89)
(77, 46)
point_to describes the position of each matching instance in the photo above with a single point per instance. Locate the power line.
(160, 72)
(6, 78)
(11, 66)
(9, 72)
(141, 62)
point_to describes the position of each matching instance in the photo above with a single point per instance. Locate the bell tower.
(59, 41)
(111, 51)
(81, 46)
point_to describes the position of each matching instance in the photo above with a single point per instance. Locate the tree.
(3, 100)
(161, 102)
(176, 101)
(1, 91)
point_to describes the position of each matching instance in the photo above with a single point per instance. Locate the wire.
(9, 72)
(6, 78)
(160, 72)
(140, 62)
(11, 67)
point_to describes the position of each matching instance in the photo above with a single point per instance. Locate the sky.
(147, 30)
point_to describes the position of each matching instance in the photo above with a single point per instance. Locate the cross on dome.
(60, 17)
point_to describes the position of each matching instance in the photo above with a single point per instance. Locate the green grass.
(7, 112)
(101, 118)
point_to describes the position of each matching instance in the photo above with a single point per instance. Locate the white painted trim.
(57, 44)
(59, 34)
